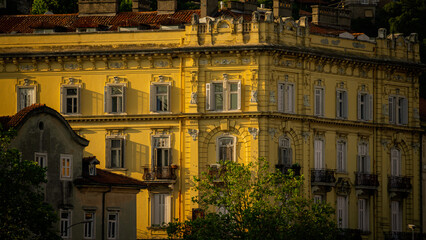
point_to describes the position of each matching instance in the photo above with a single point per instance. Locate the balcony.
(403, 236)
(284, 169)
(366, 181)
(323, 177)
(160, 174)
(399, 184)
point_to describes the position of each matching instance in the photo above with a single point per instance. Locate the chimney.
(208, 8)
(166, 6)
(140, 5)
(331, 17)
(98, 7)
(282, 8)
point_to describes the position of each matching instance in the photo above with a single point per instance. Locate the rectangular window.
(65, 223)
(398, 110)
(89, 226)
(363, 215)
(160, 98)
(342, 212)
(66, 167)
(285, 153)
(115, 98)
(41, 159)
(319, 154)
(160, 209)
(70, 99)
(319, 101)
(226, 148)
(395, 162)
(286, 97)
(318, 198)
(341, 104)
(363, 158)
(115, 152)
(223, 96)
(396, 216)
(341, 156)
(365, 106)
(26, 97)
(112, 225)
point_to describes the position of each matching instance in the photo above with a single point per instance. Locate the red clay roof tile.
(104, 177)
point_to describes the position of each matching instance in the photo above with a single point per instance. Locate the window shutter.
(209, 101)
(361, 214)
(280, 97)
(169, 101)
(123, 151)
(155, 203)
(359, 106)
(169, 152)
(167, 208)
(391, 110)
(317, 101)
(124, 99)
(345, 104)
(370, 107)
(152, 98)
(78, 99)
(34, 96)
(358, 161)
(367, 163)
(337, 105)
(404, 111)
(63, 100)
(322, 91)
(107, 99)
(18, 99)
(290, 156)
(290, 98)
(239, 96)
(108, 152)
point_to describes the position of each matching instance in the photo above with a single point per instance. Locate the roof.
(422, 109)
(70, 22)
(313, 28)
(106, 178)
(17, 120)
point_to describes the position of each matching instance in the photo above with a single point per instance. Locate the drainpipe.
(103, 211)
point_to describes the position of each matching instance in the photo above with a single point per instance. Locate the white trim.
(342, 212)
(363, 215)
(120, 99)
(319, 154)
(234, 147)
(22, 103)
(286, 97)
(121, 151)
(41, 157)
(153, 97)
(115, 222)
(226, 94)
(161, 209)
(92, 230)
(66, 166)
(65, 97)
(341, 156)
(65, 223)
(319, 101)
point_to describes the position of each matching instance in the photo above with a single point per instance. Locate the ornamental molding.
(254, 132)
(193, 133)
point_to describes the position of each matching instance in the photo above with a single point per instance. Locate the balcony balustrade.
(323, 177)
(366, 180)
(399, 184)
(159, 173)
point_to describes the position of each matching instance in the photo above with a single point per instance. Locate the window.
(41, 159)
(115, 152)
(160, 209)
(342, 212)
(396, 212)
(363, 215)
(365, 106)
(2, 3)
(341, 156)
(66, 167)
(363, 158)
(341, 104)
(223, 96)
(161, 152)
(160, 98)
(89, 226)
(317, 198)
(115, 98)
(395, 162)
(26, 96)
(319, 154)
(364, 1)
(226, 148)
(319, 101)
(285, 153)
(112, 225)
(398, 110)
(70, 99)
(286, 97)
(65, 223)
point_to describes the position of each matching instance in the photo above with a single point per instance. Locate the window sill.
(225, 111)
(72, 114)
(116, 114)
(116, 169)
(166, 112)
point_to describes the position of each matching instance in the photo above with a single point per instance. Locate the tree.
(125, 6)
(255, 203)
(23, 214)
(55, 6)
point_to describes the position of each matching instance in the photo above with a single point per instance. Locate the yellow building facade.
(161, 106)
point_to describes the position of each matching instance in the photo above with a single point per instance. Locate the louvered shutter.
(79, 99)
(361, 214)
(359, 106)
(317, 101)
(169, 100)
(209, 96)
(108, 152)
(239, 96)
(107, 99)
(338, 113)
(370, 107)
(152, 98)
(404, 111)
(367, 163)
(345, 104)
(391, 110)
(290, 156)
(63, 100)
(124, 99)
(167, 208)
(322, 91)
(280, 97)
(123, 152)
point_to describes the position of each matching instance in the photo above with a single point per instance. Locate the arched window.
(226, 148)
(285, 153)
(395, 162)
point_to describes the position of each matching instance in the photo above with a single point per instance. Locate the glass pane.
(166, 157)
(115, 143)
(116, 90)
(114, 104)
(71, 91)
(234, 87)
(233, 101)
(69, 105)
(112, 217)
(74, 105)
(218, 88)
(219, 101)
(159, 158)
(161, 89)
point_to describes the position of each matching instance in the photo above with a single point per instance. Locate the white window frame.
(285, 152)
(319, 154)
(398, 110)
(342, 212)
(65, 97)
(65, 223)
(161, 143)
(226, 94)
(153, 93)
(363, 215)
(286, 97)
(41, 159)
(396, 216)
(219, 145)
(66, 169)
(89, 225)
(30, 100)
(341, 104)
(161, 209)
(363, 159)
(319, 101)
(113, 225)
(120, 151)
(365, 106)
(109, 97)
(395, 162)
(318, 198)
(341, 156)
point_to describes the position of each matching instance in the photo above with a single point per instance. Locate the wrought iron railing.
(322, 176)
(366, 180)
(159, 173)
(399, 183)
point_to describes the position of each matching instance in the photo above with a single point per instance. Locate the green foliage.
(23, 214)
(259, 205)
(125, 6)
(55, 6)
